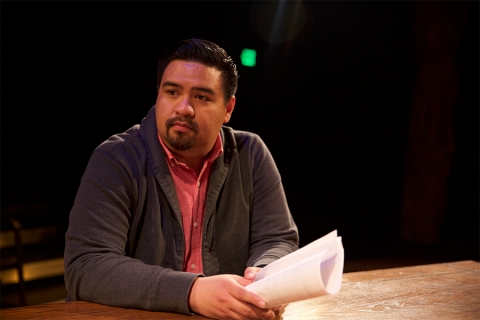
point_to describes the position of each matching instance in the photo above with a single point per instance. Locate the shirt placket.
(196, 238)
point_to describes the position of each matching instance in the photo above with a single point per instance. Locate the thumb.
(243, 282)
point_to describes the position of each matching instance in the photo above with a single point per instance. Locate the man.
(173, 212)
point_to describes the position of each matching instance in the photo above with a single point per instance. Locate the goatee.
(181, 141)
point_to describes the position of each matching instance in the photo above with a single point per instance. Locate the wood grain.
(86, 310)
(436, 291)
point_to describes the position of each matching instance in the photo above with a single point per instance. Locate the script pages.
(313, 270)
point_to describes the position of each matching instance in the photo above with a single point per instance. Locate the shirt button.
(192, 266)
(195, 225)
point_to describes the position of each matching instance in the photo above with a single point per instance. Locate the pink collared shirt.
(191, 191)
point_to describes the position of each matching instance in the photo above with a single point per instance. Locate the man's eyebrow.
(171, 84)
(203, 89)
(206, 90)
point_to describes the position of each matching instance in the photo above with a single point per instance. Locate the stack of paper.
(314, 270)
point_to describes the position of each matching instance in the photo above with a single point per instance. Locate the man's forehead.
(178, 70)
(204, 77)
(191, 65)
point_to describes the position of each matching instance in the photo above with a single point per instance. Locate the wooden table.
(436, 291)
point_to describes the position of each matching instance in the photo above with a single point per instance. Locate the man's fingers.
(243, 282)
(224, 297)
(244, 295)
(250, 273)
(252, 312)
(280, 310)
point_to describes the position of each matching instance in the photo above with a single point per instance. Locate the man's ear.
(229, 109)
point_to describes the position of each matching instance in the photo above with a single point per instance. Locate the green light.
(248, 57)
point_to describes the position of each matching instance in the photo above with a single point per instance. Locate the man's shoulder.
(133, 137)
(125, 147)
(240, 135)
(128, 137)
(243, 141)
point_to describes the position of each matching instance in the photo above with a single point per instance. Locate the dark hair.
(207, 53)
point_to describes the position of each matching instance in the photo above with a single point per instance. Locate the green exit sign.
(249, 57)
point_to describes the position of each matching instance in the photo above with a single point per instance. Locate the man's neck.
(194, 158)
(193, 161)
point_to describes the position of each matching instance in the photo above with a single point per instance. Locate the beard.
(181, 141)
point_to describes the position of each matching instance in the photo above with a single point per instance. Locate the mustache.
(192, 124)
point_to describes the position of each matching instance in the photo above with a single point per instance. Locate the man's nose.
(184, 108)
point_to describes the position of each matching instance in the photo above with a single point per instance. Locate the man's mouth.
(182, 124)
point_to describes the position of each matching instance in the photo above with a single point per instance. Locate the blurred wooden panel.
(34, 270)
(27, 236)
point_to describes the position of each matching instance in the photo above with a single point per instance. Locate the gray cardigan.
(124, 243)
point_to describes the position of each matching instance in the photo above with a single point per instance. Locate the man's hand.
(249, 274)
(224, 297)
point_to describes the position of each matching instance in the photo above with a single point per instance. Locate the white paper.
(313, 270)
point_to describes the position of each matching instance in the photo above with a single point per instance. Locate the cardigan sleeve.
(97, 266)
(274, 233)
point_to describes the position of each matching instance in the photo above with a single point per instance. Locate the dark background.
(332, 103)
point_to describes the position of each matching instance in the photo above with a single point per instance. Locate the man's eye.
(202, 98)
(171, 92)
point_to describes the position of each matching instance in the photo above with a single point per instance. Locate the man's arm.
(274, 233)
(97, 267)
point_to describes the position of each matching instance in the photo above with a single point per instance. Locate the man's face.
(191, 108)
